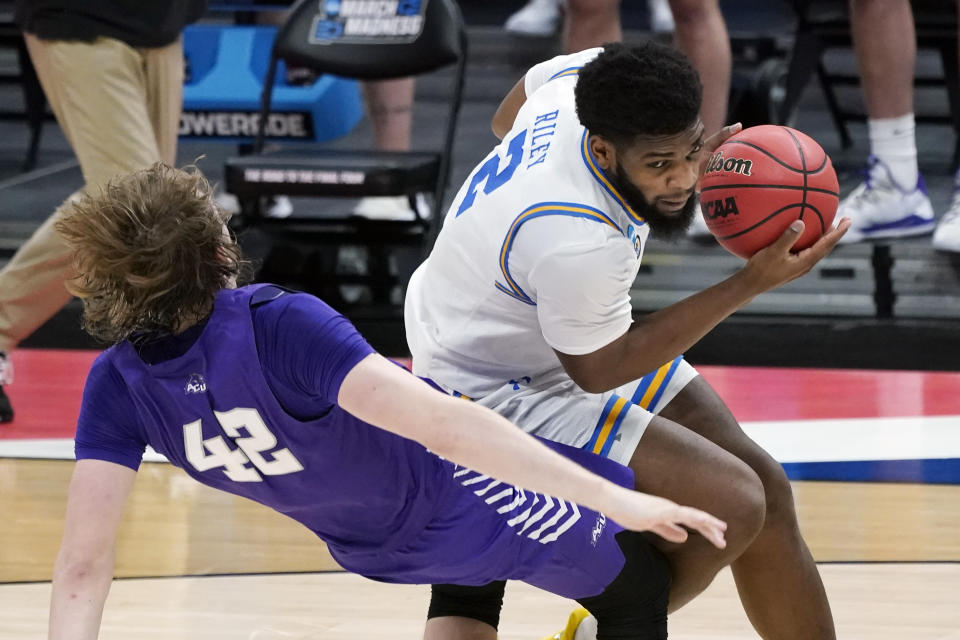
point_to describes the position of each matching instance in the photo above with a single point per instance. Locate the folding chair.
(329, 37)
(825, 24)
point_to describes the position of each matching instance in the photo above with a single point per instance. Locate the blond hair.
(150, 251)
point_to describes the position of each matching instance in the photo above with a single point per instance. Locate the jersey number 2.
(490, 173)
(214, 452)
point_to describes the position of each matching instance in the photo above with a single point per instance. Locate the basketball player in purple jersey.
(273, 396)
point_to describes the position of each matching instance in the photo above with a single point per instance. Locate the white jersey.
(538, 253)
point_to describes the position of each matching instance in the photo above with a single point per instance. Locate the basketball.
(762, 179)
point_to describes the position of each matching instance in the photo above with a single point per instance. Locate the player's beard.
(665, 226)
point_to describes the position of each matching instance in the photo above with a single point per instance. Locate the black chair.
(825, 24)
(308, 39)
(34, 102)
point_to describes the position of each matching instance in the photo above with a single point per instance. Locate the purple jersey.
(246, 403)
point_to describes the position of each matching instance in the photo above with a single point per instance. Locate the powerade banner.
(362, 21)
(202, 123)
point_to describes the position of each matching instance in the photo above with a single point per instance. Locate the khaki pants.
(119, 108)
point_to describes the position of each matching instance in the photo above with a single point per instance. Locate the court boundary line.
(254, 574)
(37, 174)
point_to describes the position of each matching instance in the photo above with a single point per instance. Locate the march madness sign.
(361, 21)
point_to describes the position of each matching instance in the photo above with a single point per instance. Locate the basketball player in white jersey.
(524, 307)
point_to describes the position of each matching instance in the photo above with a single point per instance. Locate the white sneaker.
(228, 202)
(6, 377)
(6, 369)
(661, 17)
(947, 235)
(536, 18)
(698, 229)
(391, 208)
(279, 207)
(879, 208)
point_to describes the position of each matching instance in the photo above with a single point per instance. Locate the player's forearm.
(480, 439)
(663, 335)
(79, 591)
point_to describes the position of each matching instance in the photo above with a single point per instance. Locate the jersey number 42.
(214, 452)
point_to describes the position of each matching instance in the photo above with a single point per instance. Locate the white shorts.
(609, 423)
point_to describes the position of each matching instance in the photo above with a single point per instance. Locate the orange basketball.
(762, 179)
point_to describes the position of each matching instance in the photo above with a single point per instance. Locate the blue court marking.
(928, 471)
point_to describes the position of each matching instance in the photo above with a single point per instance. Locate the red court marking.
(46, 392)
(761, 393)
(49, 384)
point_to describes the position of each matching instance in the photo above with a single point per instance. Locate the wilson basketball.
(762, 179)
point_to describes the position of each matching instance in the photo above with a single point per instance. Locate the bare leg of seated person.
(390, 109)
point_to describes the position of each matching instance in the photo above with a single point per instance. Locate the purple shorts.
(484, 530)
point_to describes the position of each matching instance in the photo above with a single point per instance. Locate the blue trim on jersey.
(538, 210)
(611, 438)
(569, 71)
(603, 419)
(642, 388)
(522, 297)
(663, 385)
(931, 471)
(601, 177)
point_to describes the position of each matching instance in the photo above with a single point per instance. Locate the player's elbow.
(591, 384)
(587, 378)
(590, 373)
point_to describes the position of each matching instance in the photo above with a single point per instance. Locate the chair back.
(370, 39)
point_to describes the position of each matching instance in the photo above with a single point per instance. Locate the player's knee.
(745, 508)
(638, 622)
(477, 603)
(780, 509)
(635, 604)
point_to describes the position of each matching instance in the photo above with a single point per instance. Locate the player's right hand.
(776, 265)
(713, 143)
(643, 512)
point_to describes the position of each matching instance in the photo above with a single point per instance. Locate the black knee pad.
(634, 605)
(478, 603)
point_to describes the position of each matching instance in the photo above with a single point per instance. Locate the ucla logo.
(634, 238)
(195, 384)
(713, 209)
(729, 165)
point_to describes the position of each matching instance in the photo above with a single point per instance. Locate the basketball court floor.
(875, 458)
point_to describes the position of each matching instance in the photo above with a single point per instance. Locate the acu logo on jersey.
(598, 528)
(195, 384)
